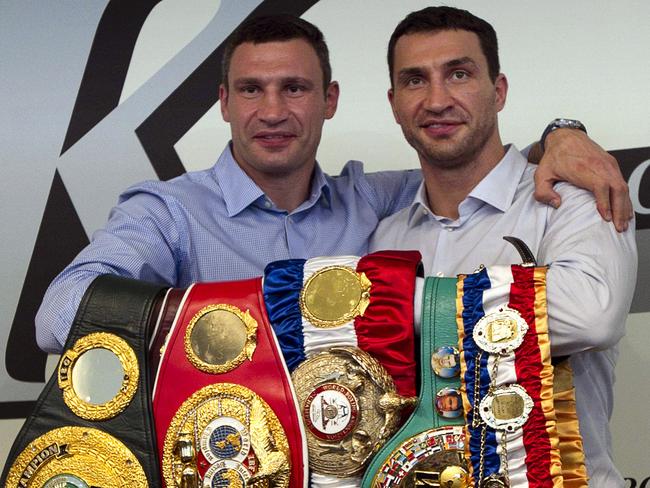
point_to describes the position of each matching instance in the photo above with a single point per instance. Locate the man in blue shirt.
(266, 198)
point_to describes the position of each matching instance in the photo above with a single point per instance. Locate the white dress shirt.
(590, 282)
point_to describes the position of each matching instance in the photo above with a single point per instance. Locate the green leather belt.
(436, 441)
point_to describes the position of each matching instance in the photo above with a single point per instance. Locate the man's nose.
(438, 97)
(272, 108)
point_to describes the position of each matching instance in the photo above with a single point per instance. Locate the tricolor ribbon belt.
(362, 302)
(345, 326)
(507, 378)
(429, 448)
(224, 407)
(92, 423)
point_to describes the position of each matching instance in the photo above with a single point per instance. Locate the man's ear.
(391, 100)
(332, 99)
(501, 89)
(223, 100)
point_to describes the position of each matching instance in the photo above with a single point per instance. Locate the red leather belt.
(223, 401)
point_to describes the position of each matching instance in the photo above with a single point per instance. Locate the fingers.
(544, 192)
(621, 206)
(603, 204)
(612, 193)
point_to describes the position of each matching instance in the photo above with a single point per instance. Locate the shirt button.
(424, 211)
(267, 204)
(440, 274)
(449, 229)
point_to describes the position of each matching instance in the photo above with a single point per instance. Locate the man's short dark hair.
(273, 28)
(434, 19)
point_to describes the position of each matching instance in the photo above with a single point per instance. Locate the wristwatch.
(560, 124)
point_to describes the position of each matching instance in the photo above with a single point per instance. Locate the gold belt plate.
(432, 458)
(350, 407)
(334, 295)
(220, 337)
(70, 362)
(227, 432)
(79, 457)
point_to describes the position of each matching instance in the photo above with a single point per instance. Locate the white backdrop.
(580, 59)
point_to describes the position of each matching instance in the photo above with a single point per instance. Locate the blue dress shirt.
(218, 225)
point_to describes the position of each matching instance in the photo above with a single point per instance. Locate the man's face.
(449, 403)
(276, 107)
(443, 97)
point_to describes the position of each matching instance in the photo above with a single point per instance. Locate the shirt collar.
(497, 189)
(240, 191)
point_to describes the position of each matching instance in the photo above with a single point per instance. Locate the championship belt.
(507, 378)
(224, 407)
(345, 326)
(429, 448)
(92, 424)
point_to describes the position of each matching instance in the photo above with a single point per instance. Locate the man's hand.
(572, 156)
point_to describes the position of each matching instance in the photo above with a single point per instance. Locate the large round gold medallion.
(98, 376)
(350, 407)
(78, 457)
(334, 295)
(220, 337)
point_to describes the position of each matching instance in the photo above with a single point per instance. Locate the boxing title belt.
(429, 448)
(224, 407)
(345, 326)
(507, 378)
(92, 423)
(362, 302)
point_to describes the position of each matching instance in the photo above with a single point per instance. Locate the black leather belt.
(93, 422)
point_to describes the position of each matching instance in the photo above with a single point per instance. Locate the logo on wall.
(98, 95)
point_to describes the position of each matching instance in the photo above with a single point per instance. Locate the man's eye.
(249, 90)
(459, 75)
(295, 89)
(415, 81)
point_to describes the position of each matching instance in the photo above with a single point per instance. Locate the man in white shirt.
(446, 91)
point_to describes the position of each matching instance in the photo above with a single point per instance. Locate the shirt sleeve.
(387, 192)
(139, 241)
(591, 277)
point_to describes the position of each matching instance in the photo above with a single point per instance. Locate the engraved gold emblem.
(80, 376)
(506, 408)
(79, 457)
(500, 332)
(350, 406)
(219, 338)
(334, 295)
(432, 458)
(229, 433)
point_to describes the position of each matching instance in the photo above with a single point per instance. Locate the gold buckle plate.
(76, 456)
(219, 338)
(432, 458)
(230, 434)
(350, 407)
(334, 295)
